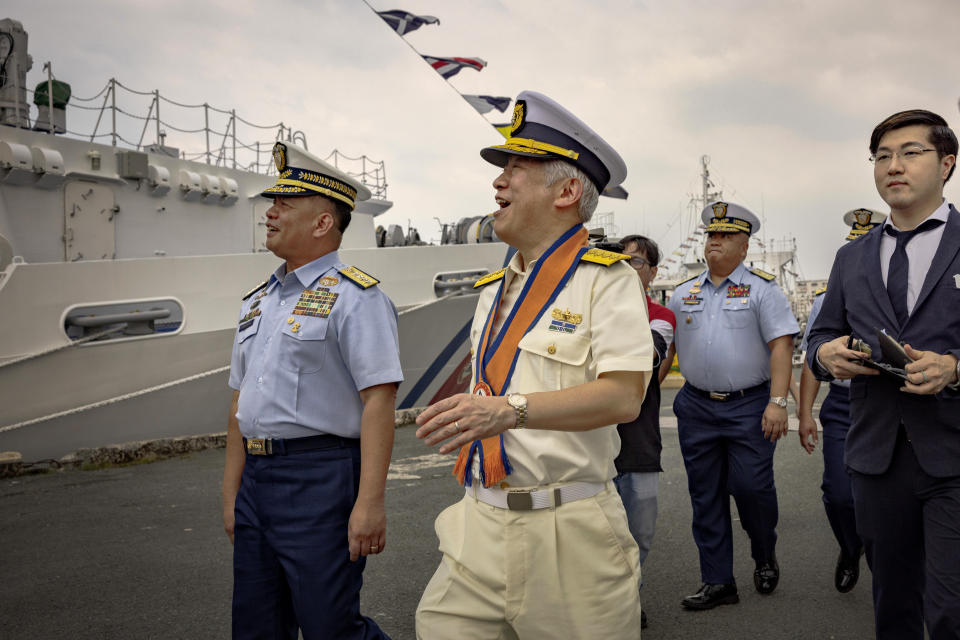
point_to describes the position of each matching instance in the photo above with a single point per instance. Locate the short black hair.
(942, 137)
(341, 211)
(647, 246)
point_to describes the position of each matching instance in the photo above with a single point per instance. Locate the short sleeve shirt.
(613, 335)
(306, 345)
(722, 332)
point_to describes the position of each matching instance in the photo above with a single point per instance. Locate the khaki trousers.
(570, 572)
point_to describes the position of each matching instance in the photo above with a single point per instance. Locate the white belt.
(527, 500)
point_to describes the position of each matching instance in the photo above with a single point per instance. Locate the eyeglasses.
(639, 262)
(910, 154)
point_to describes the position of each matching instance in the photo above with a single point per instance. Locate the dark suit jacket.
(856, 302)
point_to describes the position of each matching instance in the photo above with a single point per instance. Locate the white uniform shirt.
(613, 335)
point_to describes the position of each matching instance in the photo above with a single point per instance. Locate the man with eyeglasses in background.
(903, 447)
(638, 464)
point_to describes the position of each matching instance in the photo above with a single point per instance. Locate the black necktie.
(900, 267)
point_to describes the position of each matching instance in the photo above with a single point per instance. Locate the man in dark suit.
(903, 447)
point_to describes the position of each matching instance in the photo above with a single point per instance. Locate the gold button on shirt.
(613, 335)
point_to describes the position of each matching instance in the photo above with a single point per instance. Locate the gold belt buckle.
(718, 396)
(259, 446)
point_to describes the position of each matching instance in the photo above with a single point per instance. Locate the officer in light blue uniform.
(315, 366)
(734, 342)
(835, 418)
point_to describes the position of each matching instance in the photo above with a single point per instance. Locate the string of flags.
(449, 67)
(485, 104)
(403, 22)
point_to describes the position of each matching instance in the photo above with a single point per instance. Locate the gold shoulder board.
(819, 291)
(359, 278)
(254, 290)
(490, 277)
(763, 274)
(602, 256)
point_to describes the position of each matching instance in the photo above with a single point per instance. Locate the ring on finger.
(924, 374)
(456, 426)
(374, 548)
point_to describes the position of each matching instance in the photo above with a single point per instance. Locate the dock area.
(139, 552)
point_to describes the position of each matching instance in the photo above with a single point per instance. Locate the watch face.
(516, 400)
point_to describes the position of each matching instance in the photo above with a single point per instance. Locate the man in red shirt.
(638, 465)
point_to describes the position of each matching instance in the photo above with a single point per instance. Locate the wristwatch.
(780, 401)
(519, 404)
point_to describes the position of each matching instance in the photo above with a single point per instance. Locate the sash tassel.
(493, 468)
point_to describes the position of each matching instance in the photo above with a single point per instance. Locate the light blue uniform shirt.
(814, 312)
(722, 332)
(300, 374)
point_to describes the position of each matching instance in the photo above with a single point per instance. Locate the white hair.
(554, 170)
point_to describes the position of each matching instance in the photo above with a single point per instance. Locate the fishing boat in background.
(122, 264)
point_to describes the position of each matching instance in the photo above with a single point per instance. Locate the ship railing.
(109, 115)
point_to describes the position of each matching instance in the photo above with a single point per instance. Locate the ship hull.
(57, 396)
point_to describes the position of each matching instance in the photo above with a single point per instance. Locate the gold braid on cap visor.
(729, 225)
(535, 146)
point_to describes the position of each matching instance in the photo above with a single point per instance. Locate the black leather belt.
(723, 396)
(284, 446)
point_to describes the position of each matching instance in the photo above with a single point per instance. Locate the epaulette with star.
(602, 256)
(359, 278)
(254, 290)
(819, 291)
(763, 274)
(490, 277)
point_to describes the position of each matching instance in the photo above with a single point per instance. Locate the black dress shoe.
(767, 575)
(847, 573)
(712, 595)
(643, 618)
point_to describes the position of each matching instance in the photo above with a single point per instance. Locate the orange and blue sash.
(497, 358)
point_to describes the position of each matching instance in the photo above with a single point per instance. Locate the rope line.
(45, 352)
(114, 400)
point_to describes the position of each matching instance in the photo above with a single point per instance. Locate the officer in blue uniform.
(734, 343)
(835, 418)
(315, 367)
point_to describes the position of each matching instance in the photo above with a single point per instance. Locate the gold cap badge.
(519, 111)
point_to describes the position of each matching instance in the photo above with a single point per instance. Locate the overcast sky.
(781, 95)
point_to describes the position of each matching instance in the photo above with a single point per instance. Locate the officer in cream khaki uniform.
(539, 547)
(314, 368)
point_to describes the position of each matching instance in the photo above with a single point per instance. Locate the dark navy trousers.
(725, 455)
(837, 493)
(910, 525)
(291, 559)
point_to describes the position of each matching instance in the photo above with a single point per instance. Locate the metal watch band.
(780, 401)
(521, 417)
(520, 408)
